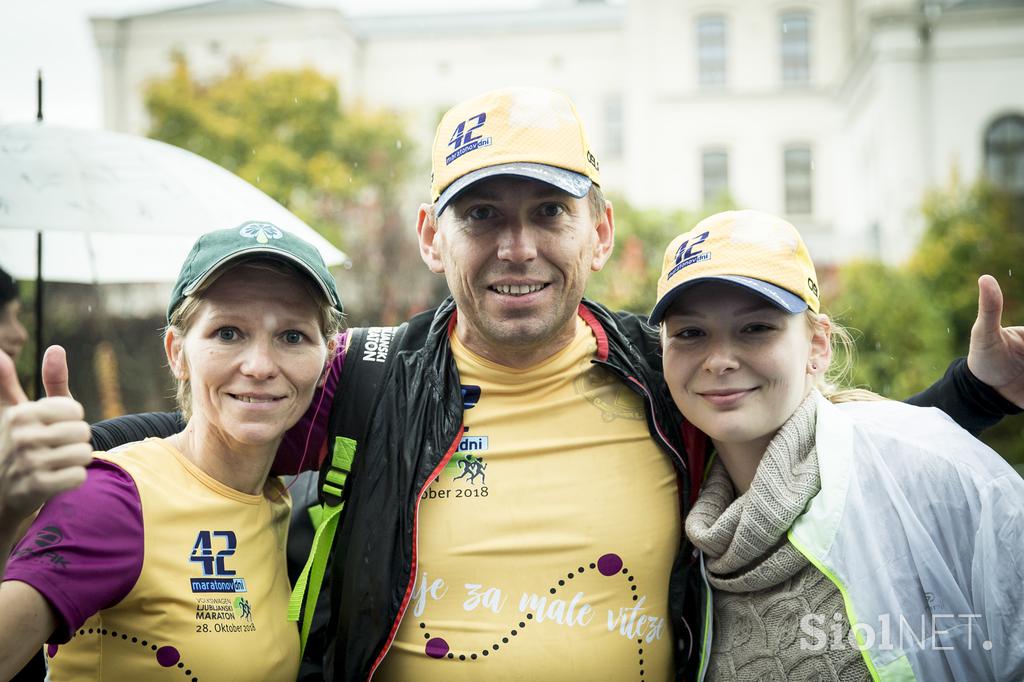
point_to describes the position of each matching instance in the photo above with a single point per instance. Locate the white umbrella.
(100, 207)
(115, 208)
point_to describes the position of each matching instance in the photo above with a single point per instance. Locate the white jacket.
(921, 527)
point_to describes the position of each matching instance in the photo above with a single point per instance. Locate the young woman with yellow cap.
(864, 540)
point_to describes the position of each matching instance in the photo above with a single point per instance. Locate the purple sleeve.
(305, 444)
(84, 551)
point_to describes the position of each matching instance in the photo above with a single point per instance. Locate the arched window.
(1004, 153)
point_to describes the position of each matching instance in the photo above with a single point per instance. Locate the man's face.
(12, 333)
(517, 254)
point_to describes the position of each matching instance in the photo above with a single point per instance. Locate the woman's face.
(253, 354)
(12, 333)
(737, 366)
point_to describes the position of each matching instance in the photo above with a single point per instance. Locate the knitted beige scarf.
(744, 538)
(762, 584)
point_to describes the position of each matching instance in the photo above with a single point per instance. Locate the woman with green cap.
(168, 562)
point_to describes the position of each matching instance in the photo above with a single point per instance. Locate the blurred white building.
(839, 114)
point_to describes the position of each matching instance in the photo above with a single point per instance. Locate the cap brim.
(777, 296)
(269, 252)
(569, 181)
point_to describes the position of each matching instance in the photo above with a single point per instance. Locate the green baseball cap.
(214, 250)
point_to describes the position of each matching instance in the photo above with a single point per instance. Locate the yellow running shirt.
(546, 545)
(211, 596)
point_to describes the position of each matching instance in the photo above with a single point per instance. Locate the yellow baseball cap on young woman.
(755, 250)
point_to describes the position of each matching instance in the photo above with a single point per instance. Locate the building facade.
(839, 114)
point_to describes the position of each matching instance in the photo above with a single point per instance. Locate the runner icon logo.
(472, 466)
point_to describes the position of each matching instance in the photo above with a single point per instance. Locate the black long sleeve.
(972, 404)
(111, 433)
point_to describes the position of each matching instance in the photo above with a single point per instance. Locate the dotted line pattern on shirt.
(166, 656)
(608, 565)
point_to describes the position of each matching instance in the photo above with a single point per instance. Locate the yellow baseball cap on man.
(526, 132)
(755, 250)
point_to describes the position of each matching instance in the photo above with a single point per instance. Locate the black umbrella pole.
(39, 265)
(39, 316)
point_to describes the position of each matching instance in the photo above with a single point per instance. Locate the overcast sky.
(54, 35)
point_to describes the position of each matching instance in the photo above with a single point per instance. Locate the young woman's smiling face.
(737, 366)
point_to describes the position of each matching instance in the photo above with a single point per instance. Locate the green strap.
(312, 577)
(316, 515)
(302, 603)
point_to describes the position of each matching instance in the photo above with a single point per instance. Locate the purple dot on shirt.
(609, 564)
(167, 656)
(51, 650)
(437, 648)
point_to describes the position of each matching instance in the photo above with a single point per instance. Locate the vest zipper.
(657, 427)
(708, 622)
(415, 534)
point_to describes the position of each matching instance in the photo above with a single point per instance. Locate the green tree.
(338, 167)
(629, 280)
(912, 319)
(903, 341)
(972, 231)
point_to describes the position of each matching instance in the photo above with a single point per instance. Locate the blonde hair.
(831, 382)
(329, 318)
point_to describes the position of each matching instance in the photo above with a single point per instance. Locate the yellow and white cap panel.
(528, 132)
(756, 250)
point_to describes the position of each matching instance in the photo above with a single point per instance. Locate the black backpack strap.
(362, 375)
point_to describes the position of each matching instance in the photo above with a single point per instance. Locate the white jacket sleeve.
(997, 575)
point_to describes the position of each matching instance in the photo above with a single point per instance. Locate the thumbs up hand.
(55, 372)
(996, 354)
(44, 444)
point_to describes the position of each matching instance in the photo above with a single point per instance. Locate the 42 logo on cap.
(464, 141)
(688, 254)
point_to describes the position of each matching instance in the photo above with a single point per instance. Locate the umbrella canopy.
(115, 208)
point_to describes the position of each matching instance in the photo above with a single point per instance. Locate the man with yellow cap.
(554, 561)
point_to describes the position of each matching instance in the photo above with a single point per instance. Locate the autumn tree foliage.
(339, 166)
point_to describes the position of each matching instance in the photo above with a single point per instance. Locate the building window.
(711, 51)
(796, 48)
(1004, 153)
(613, 128)
(799, 167)
(715, 171)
